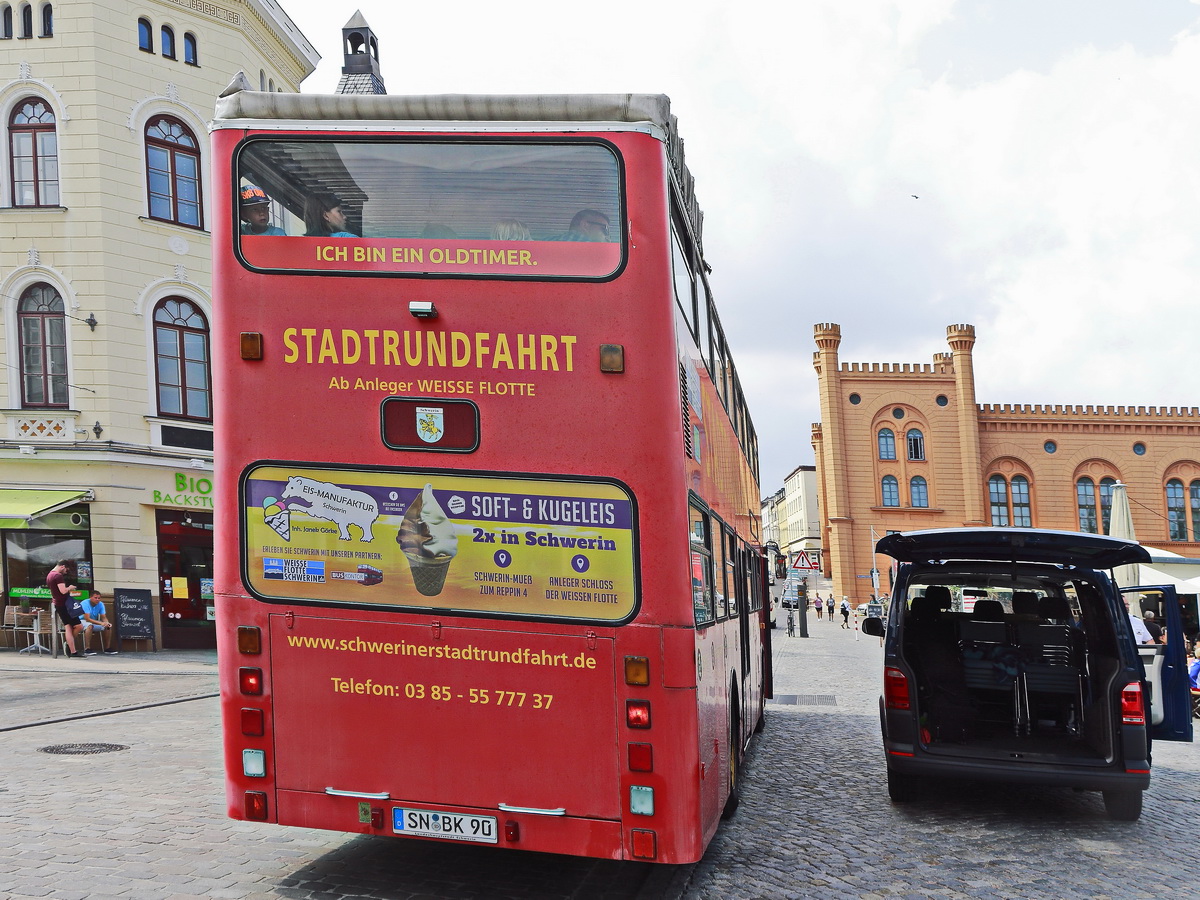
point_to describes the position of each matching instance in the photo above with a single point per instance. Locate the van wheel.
(735, 743)
(1123, 806)
(902, 788)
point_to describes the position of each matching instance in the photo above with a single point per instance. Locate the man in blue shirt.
(94, 619)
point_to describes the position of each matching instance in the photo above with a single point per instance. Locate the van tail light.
(895, 689)
(1133, 706)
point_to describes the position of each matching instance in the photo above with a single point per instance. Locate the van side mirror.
(873, 625)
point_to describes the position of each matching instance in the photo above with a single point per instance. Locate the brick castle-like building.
(906, 446)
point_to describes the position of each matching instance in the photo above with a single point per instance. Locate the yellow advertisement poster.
(514, 546)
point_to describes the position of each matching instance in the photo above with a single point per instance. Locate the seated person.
(323, 217)
(94, 619)
(256, 212)
(510, 230)
(589, 225)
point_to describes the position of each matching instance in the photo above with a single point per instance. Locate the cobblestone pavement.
(815, 821)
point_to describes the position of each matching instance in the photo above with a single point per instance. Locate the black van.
(1010, 656)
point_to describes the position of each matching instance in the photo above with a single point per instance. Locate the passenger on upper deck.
(256, 212)
(589, 225)
(323, 217)
(510, 230)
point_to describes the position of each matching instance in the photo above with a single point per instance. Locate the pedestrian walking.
(845, 612)
(817, 605)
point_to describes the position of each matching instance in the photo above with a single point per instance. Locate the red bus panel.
(460, 716)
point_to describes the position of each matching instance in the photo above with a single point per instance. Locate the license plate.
(434, 823)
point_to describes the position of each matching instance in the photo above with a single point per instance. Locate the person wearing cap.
(256, 212)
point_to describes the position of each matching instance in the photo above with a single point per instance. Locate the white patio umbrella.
(1120, 525)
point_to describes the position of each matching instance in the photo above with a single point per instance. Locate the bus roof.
(238, 103)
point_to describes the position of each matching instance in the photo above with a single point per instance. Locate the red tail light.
(895, 689)
(637, 713)
(256, 806)
(645, 843)
(250, 681)
(641, 758)
(252, 722)
(1133, 706)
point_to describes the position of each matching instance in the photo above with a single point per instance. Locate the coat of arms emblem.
(430, 424)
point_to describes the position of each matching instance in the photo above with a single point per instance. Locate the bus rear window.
(368, 206)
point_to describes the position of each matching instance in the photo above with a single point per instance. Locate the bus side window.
(724, 585)
(684, 284)
(701, 567)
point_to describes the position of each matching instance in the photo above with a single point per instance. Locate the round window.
(1050, 446)
(855, 399)
(943, 400)
(1139, 448)
(897, 413)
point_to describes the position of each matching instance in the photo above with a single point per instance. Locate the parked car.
(1058, 696)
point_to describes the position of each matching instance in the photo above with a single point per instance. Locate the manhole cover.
(82, 749)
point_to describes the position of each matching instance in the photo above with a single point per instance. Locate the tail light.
(256, 806)
(645, 843)
(253, 722)
(895, 689)
(641, 758)
(250, 680)
(1133, 707)
(637, 713)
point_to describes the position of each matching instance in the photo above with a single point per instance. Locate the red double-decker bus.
(487, 564)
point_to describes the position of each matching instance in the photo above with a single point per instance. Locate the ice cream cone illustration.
(429, 543)
(276, 515)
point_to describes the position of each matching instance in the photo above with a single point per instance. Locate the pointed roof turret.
(360, 69)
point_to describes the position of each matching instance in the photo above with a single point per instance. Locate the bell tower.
(360, 49)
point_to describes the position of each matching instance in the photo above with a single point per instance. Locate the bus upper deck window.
(548, 209)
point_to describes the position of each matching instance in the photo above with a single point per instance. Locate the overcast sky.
(1053, 148)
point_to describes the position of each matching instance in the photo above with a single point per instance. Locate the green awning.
(18, 508)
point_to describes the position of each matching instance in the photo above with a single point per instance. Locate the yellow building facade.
(105, 273)
(907, 446)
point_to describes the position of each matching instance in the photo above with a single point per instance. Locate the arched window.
(6, 22)
(173, 172)
(271, 85)
(918, 490)
(42, 332)
(1194, 502)
(262, 80)
(1176, 514)
(167, 42)
(1106, 489)
(145, 36)
(890, 489)
(1085, 503)
(47, 20)
(33, 154)
(191, 52)
(916, 444)
(26, 20)
(998, 499)
(1022, 515)
(887, 444)
(181, 362)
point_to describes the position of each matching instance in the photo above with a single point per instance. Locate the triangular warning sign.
(806, 560)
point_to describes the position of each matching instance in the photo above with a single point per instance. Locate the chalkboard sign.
(134, 614)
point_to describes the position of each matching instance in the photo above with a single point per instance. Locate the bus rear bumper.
(600, 838)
